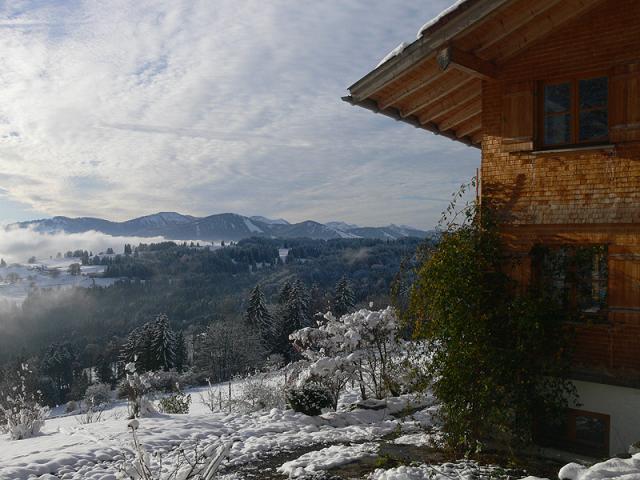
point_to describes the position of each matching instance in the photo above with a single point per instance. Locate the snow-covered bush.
(211, 398)
(176, 403)
(256, 393)
(138, 393)
(22, 412)
(361, 346)
(183, 463)
(309, 399)
(98, 394)
(71, 406)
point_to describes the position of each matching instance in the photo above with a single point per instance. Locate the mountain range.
(223, 226)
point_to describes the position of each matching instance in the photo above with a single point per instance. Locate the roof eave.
(436, 36)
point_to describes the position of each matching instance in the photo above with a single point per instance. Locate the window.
(580, 431)
(575, 278)
(575, 112)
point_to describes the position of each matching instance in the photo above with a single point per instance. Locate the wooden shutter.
(624, 106)
(518, 117)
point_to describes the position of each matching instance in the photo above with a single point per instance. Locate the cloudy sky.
(124, 108)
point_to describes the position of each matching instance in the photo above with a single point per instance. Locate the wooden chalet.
(549, 91)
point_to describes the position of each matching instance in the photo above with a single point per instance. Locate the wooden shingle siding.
(581, 196)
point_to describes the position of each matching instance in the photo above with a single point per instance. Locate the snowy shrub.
(71, 406)
(256, 393)
(309, 399)
(162, 381)
(211, 398)
(138, 393)
(92, 414)
(176, 403)
(183, 463)
(98, 394)
(22, 412)
(360, 346)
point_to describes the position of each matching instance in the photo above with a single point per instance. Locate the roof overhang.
(435, 83)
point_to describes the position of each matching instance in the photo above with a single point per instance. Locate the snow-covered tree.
(343, 301)
(361, 345)
(21, 412)
(163, 343)
(257, 314)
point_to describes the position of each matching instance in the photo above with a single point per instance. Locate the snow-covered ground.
(18, 279)
(277, 443)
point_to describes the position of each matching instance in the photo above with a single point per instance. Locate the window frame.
(574, 314)
(574, 111)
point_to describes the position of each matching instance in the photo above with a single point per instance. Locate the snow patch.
(327, 458)
(393, 53)
(252, 226)
(442, 14)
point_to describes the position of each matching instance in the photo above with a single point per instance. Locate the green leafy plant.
(309, 399)
(498, 356)
(177, 403)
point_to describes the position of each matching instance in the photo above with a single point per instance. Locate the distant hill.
(222, 226)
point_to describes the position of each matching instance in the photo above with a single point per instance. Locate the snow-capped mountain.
(223, 226)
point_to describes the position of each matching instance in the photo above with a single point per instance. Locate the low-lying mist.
(19, 244)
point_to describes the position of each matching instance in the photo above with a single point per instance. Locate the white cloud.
(125, 108)
(19, 244)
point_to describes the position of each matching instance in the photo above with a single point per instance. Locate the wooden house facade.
(549, 91)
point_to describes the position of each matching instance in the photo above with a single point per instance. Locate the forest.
(197, 289)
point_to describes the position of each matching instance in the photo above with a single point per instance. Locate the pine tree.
(180, 352)
(293, 315)
(343, 301)
(257, 314)
(285, 293)
(163, 343)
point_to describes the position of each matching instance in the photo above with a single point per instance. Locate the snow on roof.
(400, 48)
(393, 53)
(442, 14)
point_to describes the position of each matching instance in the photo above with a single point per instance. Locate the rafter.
(459, 80)
(470, 127)
(533, 10)
(465, 113)
(452, 56)
(453, 101)
(539, 27)
(427, 78)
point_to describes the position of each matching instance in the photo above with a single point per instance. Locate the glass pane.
(557, 129)
(594, 125)
(594, 92)
(591, 430)
(557, 98)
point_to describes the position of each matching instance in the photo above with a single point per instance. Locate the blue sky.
(124, 108)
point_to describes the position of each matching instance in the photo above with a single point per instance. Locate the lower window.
(575, 277)
(579, 431)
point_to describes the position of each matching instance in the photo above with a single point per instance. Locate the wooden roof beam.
(470, 128)
(425, 81)
(465, 113)
(539, 27)
(443, 90)
(394, 113)
(453, 101)
(533, 10)
(467, 62)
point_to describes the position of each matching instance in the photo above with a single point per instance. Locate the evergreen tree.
(180, 352)
(293, 315)
(285, 293)
(257, 314)
(343, 301)
(3, 264)
(163, 343)
(58, 363)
